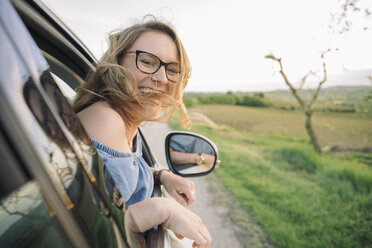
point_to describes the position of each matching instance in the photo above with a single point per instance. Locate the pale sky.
(227, 41)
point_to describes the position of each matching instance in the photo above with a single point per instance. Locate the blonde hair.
(110, 82)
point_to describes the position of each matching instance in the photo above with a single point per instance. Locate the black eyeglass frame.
(137, 52)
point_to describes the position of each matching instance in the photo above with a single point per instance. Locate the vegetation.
(331, 99)
(344, 130)
(299, 198)
(255, 100)
(364, 105)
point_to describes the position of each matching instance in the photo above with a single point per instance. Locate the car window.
(67, 161)
(83, 148)
(51, 144)
(67, 91)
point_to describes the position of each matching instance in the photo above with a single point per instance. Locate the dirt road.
(215, 216)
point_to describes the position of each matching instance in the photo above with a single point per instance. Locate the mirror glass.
(189, 154)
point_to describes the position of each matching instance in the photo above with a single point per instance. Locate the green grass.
(343, 129)
(300, 199)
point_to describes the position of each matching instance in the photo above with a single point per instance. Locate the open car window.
(67, 91)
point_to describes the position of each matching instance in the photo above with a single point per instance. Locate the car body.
(52, 180)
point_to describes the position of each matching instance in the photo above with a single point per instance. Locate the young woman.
(141, 77)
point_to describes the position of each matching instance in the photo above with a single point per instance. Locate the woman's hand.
(208, 159)
(146, 214)
(181, 189)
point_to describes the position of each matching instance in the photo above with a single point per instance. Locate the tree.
(341, 22)
(306, 106)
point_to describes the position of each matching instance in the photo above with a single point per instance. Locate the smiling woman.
(143, 73)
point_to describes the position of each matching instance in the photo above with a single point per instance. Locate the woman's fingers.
(188, 192)
(206, 235)
(200, 241)
(179, 236)
(181, 189)
(184, 222)
(181, 198)
(203, 237)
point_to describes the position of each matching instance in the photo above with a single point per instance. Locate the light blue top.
(190, 144)
(128, 171)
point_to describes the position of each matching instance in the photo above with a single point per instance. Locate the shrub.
(190, 102)
(231, 99)
(228, 99)
(302, 159)
(364, 105)
(252, 101)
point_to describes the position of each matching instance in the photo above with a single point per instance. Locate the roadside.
(236, 218)
(228, 223)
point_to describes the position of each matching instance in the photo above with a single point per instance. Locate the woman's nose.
(160, 75)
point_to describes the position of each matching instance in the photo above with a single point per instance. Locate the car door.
(52, 180)
(66, 61)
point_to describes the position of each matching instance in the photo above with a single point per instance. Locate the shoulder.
(103, 124)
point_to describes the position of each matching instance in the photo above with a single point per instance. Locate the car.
(52, 181)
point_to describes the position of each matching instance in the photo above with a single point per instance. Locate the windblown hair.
(110, 82)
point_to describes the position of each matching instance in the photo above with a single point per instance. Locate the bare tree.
(306, 106)
(340, 22)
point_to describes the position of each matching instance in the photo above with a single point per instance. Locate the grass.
(343, 129)
(300, 199)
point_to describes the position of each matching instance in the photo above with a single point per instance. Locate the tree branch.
(303, 80)
(293, 89)
(315, 95)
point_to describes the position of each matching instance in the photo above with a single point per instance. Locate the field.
(342, 129)
(299, 198)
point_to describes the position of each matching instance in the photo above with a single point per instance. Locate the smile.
(149, 90)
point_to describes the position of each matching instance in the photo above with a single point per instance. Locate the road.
(215, 216)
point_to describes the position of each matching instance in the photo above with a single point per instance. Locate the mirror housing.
(189, 154)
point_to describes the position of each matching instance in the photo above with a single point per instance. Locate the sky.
(227, 41)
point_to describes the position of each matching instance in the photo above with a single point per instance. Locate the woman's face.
(162, 46)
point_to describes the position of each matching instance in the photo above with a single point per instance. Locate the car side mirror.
(189, 154)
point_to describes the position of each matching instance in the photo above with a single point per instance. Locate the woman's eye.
(147, 62)
(173, 70)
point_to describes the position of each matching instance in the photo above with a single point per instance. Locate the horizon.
(275, 90)
(361, 77)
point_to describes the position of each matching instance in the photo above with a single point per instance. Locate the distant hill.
(336, 98)
(330, 95)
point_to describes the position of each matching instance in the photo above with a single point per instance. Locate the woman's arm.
(105, 125)
(189, 158)
(146, 214)
(181, 189)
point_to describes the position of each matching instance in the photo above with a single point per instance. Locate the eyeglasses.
(149, 63)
